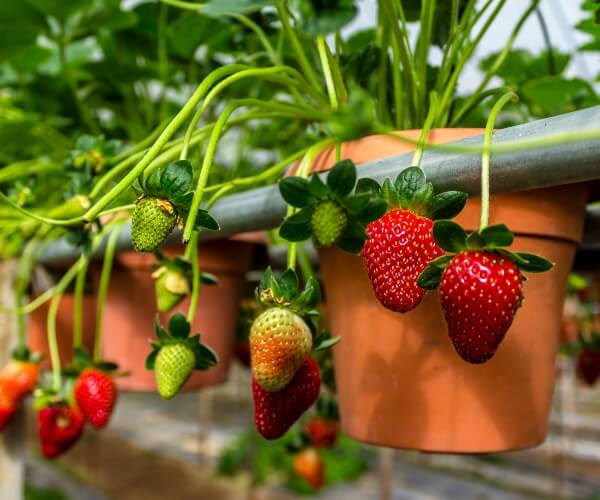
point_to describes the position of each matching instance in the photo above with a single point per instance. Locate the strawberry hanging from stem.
(401, 243)
(177, 355)
(481, 285)
(329, 212)
(280, 338)
(164, 201)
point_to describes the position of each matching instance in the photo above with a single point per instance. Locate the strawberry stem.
(486, 157)
(78, 299)
(52, 341)
(418, 156)
(193, 256)
(107, 263)
(324, 56)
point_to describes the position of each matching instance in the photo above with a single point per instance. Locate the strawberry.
(177, 355)
(8, 408)
(96, 394)
(174, 365)
(322, 432)
(333, 213)
(588, 365)
(480, 293)
(309, 466)
(171, 288)
(276, 412)
(481, 286)
(328, 222)
(399, 248)
(59, 425)
(400, 243)
(19, 378)
(152, 221)
(280, 342)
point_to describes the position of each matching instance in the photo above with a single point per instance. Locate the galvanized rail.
(567, 163)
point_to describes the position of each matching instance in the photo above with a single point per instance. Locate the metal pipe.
(263, 208)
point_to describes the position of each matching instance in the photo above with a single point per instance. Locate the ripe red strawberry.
(8, 408)
(480, 293)
(588, 366)
(276, 412)
(59, 427)
(96, 394)
(19, 378)
(309, 466)
(399, 248)
(322, 432)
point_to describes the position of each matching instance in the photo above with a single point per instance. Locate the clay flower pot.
(131, 310)
(37, 338)
(401, 383)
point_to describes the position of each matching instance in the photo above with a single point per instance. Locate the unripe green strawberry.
(171, 288)
(280, 342)
(328, 222)
(151, 223)
(174, 365)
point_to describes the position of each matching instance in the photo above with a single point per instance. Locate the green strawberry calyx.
(22, 353)
(331, 212)
(179, 333)
(285, 292)
(452, 238)
(173, 184)
(411, 191)
(82, 360)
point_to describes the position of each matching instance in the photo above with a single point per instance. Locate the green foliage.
(347, 461)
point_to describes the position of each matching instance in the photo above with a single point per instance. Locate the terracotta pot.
(401, 383)
(131, 309)
(37, 333)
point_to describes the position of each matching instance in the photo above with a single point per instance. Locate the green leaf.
(357, 203)
(208, 279)
(532, 263)
(389, 193)
(176, 178)
(295, 191)
(288, 282)
(81, 358)
(204, 219)
(375, 209)
(496, 236)
(60, 9)
(216, 8)
(317, 187)
(309, 298)
(326, 344)
(179, 326)
(430, 277)
(353, 238)
(342, 177)
(450, 236)
(151, 359)
(446, 205)
(408, 183)
(323, 17)
(205, 357)
(366, 185)
(152, 185)
(475, 241)
(297, 227)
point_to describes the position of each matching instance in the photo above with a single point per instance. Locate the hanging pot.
(400, 382)
(131, 310)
